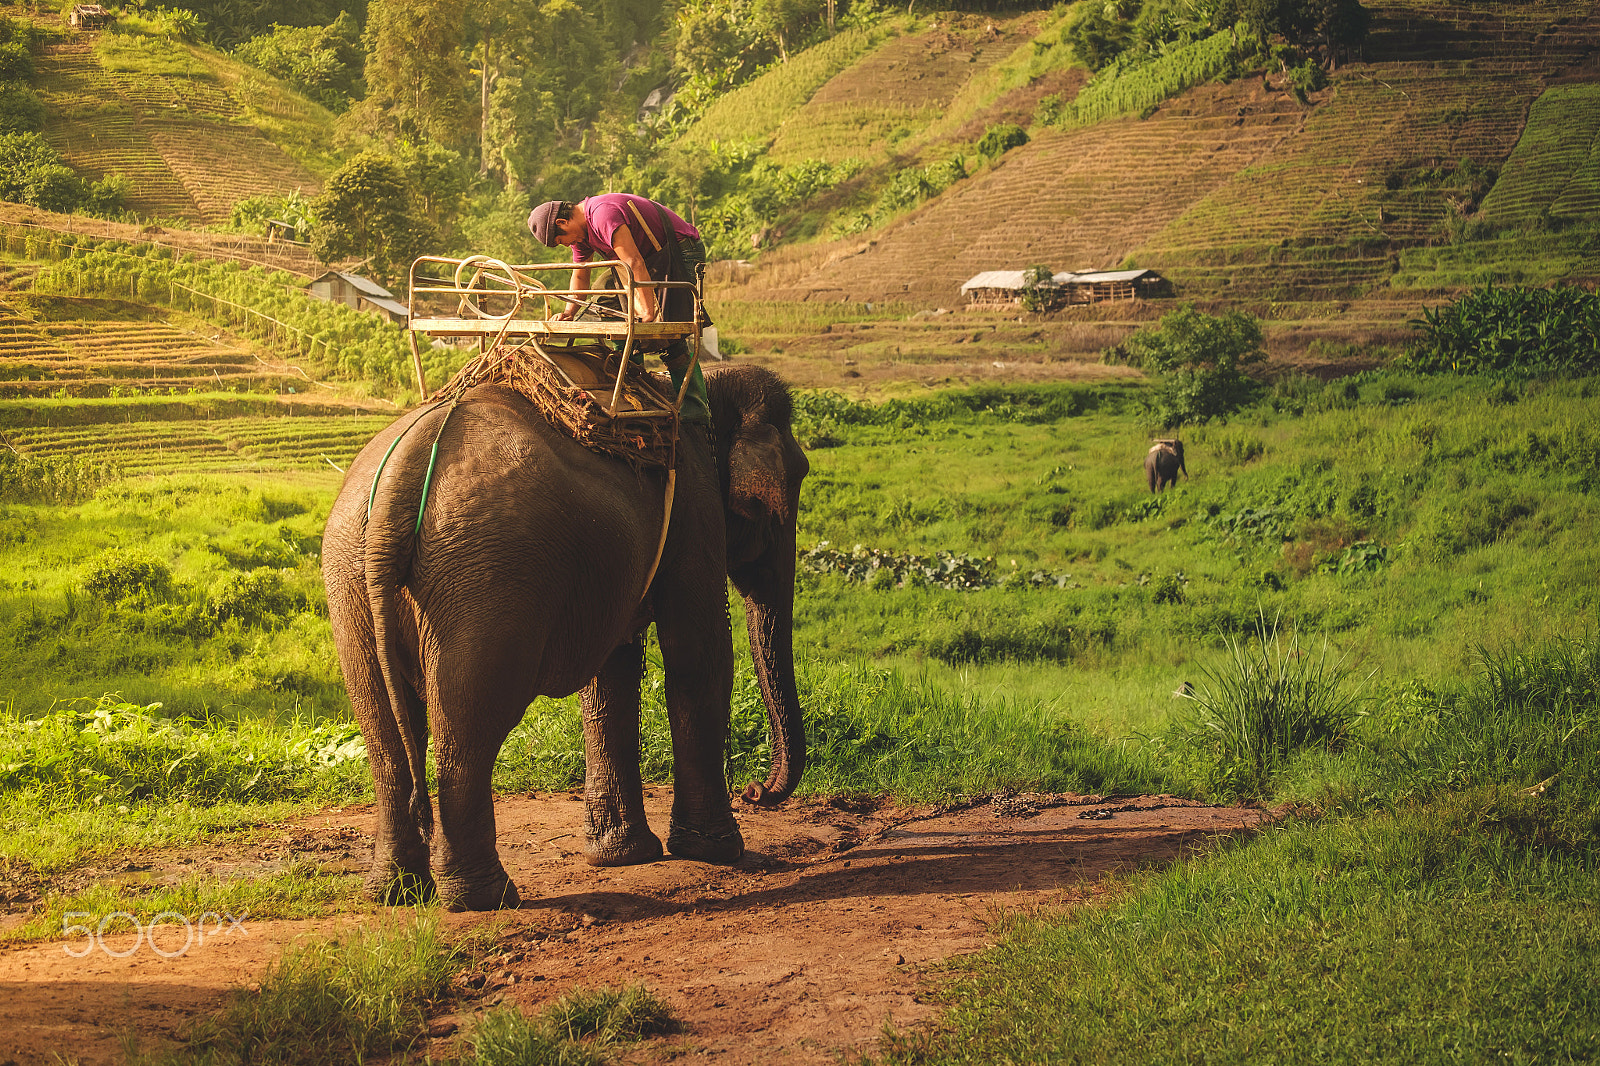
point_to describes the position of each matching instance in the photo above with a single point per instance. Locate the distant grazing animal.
(1163, 462)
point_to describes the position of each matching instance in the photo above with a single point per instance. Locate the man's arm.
(644, 297)
(580, 281)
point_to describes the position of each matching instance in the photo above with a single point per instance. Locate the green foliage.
(106, 752)
(29, 478)
(1516, 331)
(1038, 289)
(352, 1001)
(251, 214)
(415, 71)
(21, 110)
(1133, 84)
(998, 140)
(121, 574)
(367, 210)
(1271, 700)
(1200, 358)
(323, 62)
(31, 172)
(575, 1030)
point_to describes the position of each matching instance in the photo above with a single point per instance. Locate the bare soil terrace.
(806, 948)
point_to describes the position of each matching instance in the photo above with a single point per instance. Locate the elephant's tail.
(390, 542)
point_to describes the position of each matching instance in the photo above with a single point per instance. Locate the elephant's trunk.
(769, 614)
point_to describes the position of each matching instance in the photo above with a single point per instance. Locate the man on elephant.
(627, 227)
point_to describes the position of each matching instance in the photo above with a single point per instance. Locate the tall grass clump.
(1268, 700)
(341, 1002)
(28, 478)
(575, 1030)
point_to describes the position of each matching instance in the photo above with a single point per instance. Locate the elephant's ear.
(758, 487)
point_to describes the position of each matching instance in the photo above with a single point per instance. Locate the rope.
(522, 290)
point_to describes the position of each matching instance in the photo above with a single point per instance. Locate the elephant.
(1163, 462)
(525, 575)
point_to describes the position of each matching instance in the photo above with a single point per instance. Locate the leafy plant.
(1516, 331)
(1268, 701)
(1201, 359)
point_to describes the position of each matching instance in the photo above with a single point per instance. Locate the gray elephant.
(526, 577)
(1163, 462)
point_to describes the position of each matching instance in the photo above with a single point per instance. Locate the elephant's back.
(520, 515)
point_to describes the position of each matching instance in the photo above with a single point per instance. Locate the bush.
(1515, 331)
(998, 140)
(1201, 359)
(128, 574)
(259, 597)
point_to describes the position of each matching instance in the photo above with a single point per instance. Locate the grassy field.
(989, 597)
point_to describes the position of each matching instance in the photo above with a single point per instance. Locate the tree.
(366, 210)
(415, 72)
(1200, 358)
(32, 173)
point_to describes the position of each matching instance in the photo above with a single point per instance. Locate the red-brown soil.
(806, 948)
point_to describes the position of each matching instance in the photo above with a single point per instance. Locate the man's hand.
(569, 312)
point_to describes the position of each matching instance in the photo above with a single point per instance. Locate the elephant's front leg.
(614, 829)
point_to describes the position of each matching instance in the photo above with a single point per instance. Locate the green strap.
(433, 461)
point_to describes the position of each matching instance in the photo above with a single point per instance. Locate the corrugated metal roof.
(996, 279)
(1095, 276)
(365, 286)
(394, 307)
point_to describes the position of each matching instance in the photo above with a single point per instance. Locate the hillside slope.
(1240, 190)
(184, 138)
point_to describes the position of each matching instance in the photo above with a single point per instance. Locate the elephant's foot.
(722, 843)
(493, 891)
(622, 846)
(396, 883)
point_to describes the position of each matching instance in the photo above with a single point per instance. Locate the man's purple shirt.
(607, 213)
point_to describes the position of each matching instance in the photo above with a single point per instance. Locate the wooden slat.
(539, 327)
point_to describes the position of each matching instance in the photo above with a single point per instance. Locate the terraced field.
(1240, 191)
(897, 90)
(97, 356)
(1555, 168)
(177, 138)
(209, 445)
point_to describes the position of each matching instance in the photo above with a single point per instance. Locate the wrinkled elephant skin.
(527, 578)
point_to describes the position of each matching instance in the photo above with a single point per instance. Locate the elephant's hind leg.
(399, 874)
(614, 829)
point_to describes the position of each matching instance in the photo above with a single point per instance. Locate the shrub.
(259, 597)
(998, 140)
(127, 574)
(1201, 359)
(1516, 331)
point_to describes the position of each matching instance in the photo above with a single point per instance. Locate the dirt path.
(805, 948)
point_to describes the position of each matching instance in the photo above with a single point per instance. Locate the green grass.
(1420, 936)
(754, 111)
(352, 1000)
(1444, 908)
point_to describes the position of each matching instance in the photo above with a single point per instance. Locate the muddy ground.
(806, 948)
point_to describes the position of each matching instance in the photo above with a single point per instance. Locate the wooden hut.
(88, 17)
(1094, 287)
(995, 288)
(363, 294)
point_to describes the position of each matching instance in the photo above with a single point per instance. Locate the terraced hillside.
(177, 136)
(199, 445)
(1241, 191)
(898, 90)
(108, 348)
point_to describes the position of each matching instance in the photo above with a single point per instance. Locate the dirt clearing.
(803, 949)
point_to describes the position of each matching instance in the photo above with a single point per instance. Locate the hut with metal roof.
(995, 288)
(1092, 287)
(363, 294)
